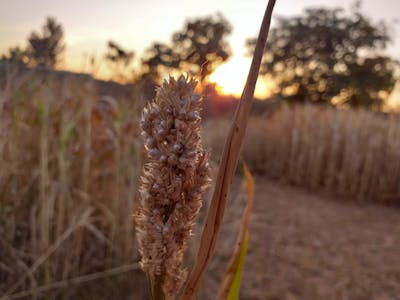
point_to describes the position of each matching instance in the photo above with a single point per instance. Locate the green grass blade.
(233, 293)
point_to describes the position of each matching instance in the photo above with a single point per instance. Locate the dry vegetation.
(345, 152)
(69, 160)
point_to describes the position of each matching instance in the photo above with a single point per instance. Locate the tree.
(330, 56)
(198, 48)
(16, 55)
(119, 60)
(45, 49)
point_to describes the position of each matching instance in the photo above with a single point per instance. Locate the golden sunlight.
(230, 78)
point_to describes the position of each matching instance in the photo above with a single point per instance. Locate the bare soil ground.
(308, 246)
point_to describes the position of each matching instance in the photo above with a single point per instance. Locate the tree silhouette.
(45, 48)
(330, 56)
(119, 60)
(16, 55)
(198, 48)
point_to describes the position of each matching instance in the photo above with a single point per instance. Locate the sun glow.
(230, 78)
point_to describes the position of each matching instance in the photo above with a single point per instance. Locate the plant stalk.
(228, 163)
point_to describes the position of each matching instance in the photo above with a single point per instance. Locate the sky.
(135, 24)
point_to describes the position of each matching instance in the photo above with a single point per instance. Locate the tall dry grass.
(352, 153)
(68, 168)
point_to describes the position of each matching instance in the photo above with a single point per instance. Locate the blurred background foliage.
(330, 56)
(324, 55)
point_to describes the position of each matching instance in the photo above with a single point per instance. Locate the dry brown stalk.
(228, 163)
(50, 175)
(73, 281)
(51, 249)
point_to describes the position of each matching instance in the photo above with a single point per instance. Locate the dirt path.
(306, 246)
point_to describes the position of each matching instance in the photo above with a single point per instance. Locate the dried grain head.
(172, 182)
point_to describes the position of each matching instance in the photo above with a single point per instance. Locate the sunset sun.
(230, 78)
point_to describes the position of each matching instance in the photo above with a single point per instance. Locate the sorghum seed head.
(172, 181)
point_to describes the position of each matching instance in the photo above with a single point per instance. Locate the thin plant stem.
(228, 163)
